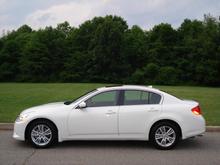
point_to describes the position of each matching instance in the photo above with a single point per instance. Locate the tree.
(9, 56)
(151, 73)
(162, 41)
(134, 49)
(34, 63)
(105, 49)
(167, 76)
(24, 29)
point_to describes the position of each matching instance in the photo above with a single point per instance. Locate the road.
(198, 151)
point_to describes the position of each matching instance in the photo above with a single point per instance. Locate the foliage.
(105, 49)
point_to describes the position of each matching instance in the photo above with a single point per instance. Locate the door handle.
(153, 110)
(110, 112)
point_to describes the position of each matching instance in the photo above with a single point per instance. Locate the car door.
(137, 110)
(99, 117)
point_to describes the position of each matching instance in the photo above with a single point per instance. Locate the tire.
(164, 135)
(42, 134)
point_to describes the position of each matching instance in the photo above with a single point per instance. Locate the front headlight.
(22, 117)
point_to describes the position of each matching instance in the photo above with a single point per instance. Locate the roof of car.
(138, 87)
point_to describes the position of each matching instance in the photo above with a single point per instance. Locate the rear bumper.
(195, 133)
(196, 128)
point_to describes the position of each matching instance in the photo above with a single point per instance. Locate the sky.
(145, 13)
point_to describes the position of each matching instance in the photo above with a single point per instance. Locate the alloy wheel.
(165, 136)
(41, 135)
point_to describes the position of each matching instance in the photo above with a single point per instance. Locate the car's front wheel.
(164, 135)
(42, 134)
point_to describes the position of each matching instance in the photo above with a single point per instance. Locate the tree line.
(106, 50)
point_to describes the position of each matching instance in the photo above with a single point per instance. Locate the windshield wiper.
(68, 102)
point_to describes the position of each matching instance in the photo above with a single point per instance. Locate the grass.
(15, 97)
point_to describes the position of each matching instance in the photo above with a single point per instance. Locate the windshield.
(80, 97)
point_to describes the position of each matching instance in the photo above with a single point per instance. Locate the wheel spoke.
(170, 139)
(40, 128)
(45, 139)
(163, 141)
(163, 129)
(170, 131)
(47, 132)
(37, 140)
(158, 136)
(35, 133)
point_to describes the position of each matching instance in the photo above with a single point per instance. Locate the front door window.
(103, 99)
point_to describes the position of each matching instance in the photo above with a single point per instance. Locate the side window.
(154, 98)
(103, 99)
(136, 97)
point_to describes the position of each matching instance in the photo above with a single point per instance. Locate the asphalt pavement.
(198, 151)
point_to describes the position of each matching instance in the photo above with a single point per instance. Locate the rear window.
(137, 97)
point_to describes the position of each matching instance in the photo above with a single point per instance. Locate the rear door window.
(137, 97)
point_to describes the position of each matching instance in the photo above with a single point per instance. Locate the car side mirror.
(82, 105)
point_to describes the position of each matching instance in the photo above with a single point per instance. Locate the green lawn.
(15, 97)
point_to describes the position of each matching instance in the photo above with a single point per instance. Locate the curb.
(6, 126)
(212, 128)
(10, 126)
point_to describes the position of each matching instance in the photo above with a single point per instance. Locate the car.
(122, 112)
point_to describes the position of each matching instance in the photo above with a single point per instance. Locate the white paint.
(114, 122)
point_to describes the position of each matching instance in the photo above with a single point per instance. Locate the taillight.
(196, 110)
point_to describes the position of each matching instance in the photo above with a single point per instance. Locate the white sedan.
(123, 112)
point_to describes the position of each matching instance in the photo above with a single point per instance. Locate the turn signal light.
(196, 110)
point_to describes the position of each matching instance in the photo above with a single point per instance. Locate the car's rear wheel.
(164, 135)
(42, 134)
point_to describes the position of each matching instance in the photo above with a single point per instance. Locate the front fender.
(58, 123)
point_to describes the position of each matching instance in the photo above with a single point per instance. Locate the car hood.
(49, 106)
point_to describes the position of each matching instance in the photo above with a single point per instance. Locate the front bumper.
(19, 130)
